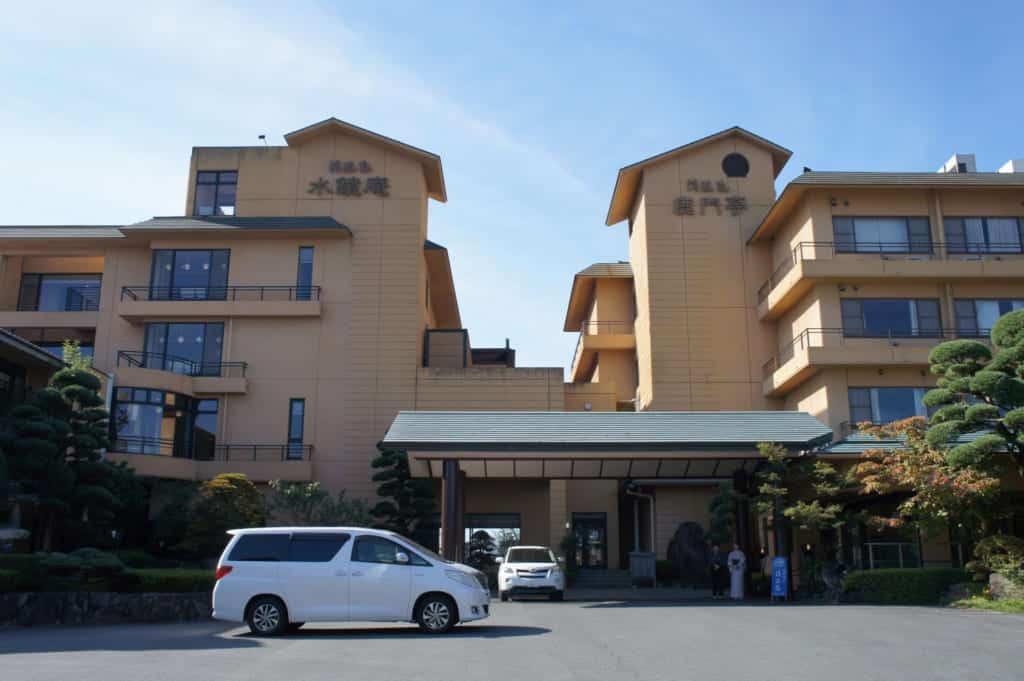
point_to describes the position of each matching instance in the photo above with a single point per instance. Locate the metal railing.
(180, 365)
(598, 328)
(130, 444)
(232, 293)
(886, 250)
(816, 338)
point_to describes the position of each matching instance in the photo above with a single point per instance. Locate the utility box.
(642, 565)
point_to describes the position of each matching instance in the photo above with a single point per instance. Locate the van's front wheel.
(436, 614)
(267, 616)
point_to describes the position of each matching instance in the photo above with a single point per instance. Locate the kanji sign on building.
(349, 184)
(708, 205)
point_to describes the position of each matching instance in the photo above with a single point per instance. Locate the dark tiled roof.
(871, 179)
(28, 349)
(604, 430)
(234, 222)
(607, 269)
(858, 443)
(60, 232)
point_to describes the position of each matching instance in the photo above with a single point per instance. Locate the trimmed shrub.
(666, 572)
(24, 563)
(135, 558)
(160, 580)
(84, 562)
(901, 586)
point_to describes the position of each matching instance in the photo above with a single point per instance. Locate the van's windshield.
(423, 550)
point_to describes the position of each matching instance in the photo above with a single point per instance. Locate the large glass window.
(977, 317)
(296, 427)
(164, 423)
(882, 234)
(215, 192)
(983, 235)
(891, 317)
(190, 348)
(885, 405)
(189, 274)
(59, 292)
(304, 278)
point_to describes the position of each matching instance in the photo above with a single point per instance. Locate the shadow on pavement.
(123, 637)
(313, 632)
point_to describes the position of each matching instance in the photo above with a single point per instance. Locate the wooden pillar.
(452, 511)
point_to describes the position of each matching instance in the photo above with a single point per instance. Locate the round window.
(735, 165)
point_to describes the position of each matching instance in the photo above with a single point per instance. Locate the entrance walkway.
(662, 594)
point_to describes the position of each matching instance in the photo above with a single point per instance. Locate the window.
(735, 165)
(891, 317)
(215, 192)
(189, 274)
(57, 349)
(304, 278)
(261, 546)
(977, 317)
(190, 348)
(882, 234)
(59, 292)
(885, 405)
(983, 235)
(370, 549)
(164, 423)
(296, 426)
(316, 547)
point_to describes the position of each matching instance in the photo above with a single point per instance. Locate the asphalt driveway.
(543, 641)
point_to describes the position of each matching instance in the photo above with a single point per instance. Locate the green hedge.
(8, 581)
(901, 586)
(167, 580)
(21, 562)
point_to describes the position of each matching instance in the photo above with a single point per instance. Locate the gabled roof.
(60, 232)
(191, 222)
(431, 162)
(800, 185)
(624, 194)
(21, 351)
(583, 287)
(678, 430)
(443, 300)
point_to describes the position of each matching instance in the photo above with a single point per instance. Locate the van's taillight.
(223, 570)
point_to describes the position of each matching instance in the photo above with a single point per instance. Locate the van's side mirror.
(561, 559)
(499, 560)
(402, 558)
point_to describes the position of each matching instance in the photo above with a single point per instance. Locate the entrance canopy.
(595, 445)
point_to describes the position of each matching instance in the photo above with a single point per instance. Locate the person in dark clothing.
(719, 575)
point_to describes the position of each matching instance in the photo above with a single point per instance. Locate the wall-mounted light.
(834, 201)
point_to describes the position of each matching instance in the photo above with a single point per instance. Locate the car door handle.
(357, 574)
(340, 573)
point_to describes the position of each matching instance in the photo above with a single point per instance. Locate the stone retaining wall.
(83, 607)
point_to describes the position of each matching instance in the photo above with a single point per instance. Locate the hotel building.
(296, 317)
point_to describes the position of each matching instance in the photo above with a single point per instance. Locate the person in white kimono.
(737, 570)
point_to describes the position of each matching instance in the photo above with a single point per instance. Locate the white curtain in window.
(988, 313)
(1003, 236)
(881, 234)
(919, 408)
(974, 234)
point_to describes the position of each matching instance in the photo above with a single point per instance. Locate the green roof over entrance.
(678, 430)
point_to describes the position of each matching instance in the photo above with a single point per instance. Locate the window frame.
(874, 406)
(973, 329)
(304, 290)
(39, 290)
(154, 272)
(216, 184)
(909, 245)
(917, 329)
(295, 445)
(415, 559)
(963, 247)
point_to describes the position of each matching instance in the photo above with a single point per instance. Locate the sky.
(533, 107)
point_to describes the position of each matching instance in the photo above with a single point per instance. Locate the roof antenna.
(263, 138)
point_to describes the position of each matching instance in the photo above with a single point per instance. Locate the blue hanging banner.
(780, 577)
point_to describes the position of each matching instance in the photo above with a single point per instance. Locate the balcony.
(168, 459)
(75, 307)
(815, 349)
(811, 262)
(597, 336)
(139, 303)
(179, 374)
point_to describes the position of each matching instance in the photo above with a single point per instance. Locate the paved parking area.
(543, 641)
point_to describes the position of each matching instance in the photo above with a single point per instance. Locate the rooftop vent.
(959, 163)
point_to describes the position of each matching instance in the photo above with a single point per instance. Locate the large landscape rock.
(82, 607)
(688, 551)
(1002, 588)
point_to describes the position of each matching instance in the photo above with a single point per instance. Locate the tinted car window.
(316, 548)
(260, 547)
(370, 549)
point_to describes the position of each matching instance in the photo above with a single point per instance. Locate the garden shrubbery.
(901, 586)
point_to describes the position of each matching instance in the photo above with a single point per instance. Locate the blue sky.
(532, 107)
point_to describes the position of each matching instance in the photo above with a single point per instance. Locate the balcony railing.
(221, 452)
(221, 293)
(180, 365)
(816, 338)
(906, 250)
(600, 328)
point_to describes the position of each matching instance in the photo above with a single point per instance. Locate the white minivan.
(277, 578)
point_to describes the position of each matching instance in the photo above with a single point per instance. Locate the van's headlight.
(463, 578)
